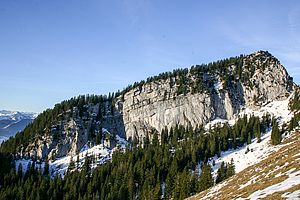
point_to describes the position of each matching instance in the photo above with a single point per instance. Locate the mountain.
(170, 136)
(12, 122)
(187, 97)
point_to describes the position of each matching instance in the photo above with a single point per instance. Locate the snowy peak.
(16, 115)
(12, 122)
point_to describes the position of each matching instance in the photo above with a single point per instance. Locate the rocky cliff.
(156, 105)
(188, 97)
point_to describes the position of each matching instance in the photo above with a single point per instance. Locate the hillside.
(275, 177)
(168, 137)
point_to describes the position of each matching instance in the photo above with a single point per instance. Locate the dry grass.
(264, 174)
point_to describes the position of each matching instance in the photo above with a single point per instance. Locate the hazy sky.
(51, 50)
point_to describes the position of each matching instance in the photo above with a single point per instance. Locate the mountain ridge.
(16, 115)
(188, 97)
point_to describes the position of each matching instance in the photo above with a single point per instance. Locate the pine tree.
(295, 104)
(276, 134)
(230, 169)
(155, 140)
(244, 134)
(249, 138)
(205, 180)
(123, 192)
(221, 174)
(164, 136)
(86, 166)
(185, 184)
(170, 181)
(257, 130)
(99, 137)
(77, 161)
(20, 171)
(46, 168)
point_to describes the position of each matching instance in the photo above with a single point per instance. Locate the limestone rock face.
(144, 111)
(158, 108)
(156, 105)
(269, 83)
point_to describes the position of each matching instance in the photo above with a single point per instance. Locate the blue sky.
(54, 50)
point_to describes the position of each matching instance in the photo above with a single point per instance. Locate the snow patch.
(122, 142)
(101, 154)
(163, 186)
(292, 180)
(278, 109)
(292, 196)
(215, 190)
(251, 181)
(25, 162)
(241, 159)
(215, 122)
(84, 148)
(218, 85)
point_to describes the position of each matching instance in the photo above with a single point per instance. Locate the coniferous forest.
(166, 167)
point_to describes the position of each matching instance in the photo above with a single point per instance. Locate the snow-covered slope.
(293, 179)
(275, 177)
(253, 153)
(101, 154)
(247, 155)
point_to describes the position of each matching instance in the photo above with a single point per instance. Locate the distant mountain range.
(12, 122)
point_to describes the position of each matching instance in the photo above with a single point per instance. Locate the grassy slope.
(268, 172)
